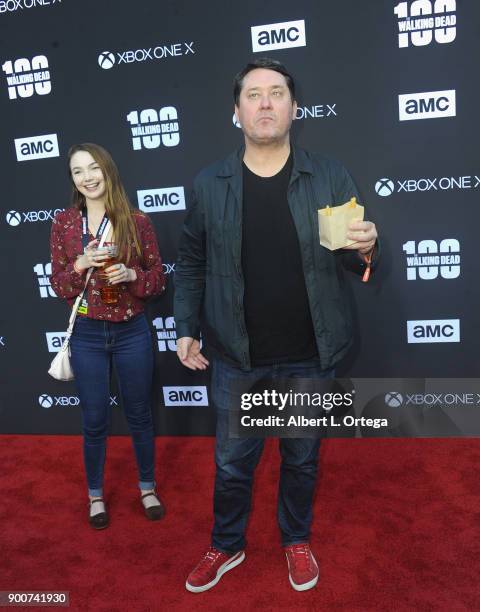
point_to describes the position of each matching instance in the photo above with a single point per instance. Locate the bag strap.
(73, 314)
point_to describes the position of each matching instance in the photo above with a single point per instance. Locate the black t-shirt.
(277, 313)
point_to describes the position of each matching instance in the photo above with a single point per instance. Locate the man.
(273, 303)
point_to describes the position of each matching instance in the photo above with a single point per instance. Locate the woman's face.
(87, 175)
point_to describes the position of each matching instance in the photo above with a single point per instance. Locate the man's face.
(265, 108)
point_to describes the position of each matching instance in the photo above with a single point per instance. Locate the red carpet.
(396, 528)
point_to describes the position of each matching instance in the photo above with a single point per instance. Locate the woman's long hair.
(117, 205)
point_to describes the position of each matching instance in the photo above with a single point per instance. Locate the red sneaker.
(211, 568)
(302, 567)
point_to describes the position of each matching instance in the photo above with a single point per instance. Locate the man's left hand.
(365, 235)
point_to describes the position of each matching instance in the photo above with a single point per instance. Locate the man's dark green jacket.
(209, 282)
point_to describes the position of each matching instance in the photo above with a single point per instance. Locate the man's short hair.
(262, 62)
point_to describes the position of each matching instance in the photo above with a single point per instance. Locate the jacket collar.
(232, 165)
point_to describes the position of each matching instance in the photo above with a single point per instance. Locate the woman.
(111, 327)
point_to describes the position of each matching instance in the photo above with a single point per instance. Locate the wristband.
(368, 262)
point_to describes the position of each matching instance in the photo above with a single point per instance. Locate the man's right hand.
(188, 351)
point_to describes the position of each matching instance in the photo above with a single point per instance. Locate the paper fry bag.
(333, 224)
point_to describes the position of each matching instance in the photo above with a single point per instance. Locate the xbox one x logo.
(13, 218)
(384, 187)
(394, 399)
(45, 401)
(106, 60)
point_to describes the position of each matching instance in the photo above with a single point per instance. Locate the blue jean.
(236, 460)
(95, 345)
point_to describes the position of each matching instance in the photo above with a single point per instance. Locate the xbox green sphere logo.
(106, 60)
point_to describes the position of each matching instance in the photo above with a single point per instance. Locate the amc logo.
(278, 36)
(427, 105)
(160, 200)
(36, 147)
(442, 330)
(55, 341)
(185, 396)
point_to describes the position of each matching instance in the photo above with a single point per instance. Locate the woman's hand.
(90, 258)
(119, 273)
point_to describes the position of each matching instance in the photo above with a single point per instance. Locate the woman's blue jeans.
(237, 458)
(95, 346)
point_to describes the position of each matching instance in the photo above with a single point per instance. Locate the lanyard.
(101, 227)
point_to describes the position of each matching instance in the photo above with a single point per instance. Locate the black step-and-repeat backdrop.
(389, 88)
